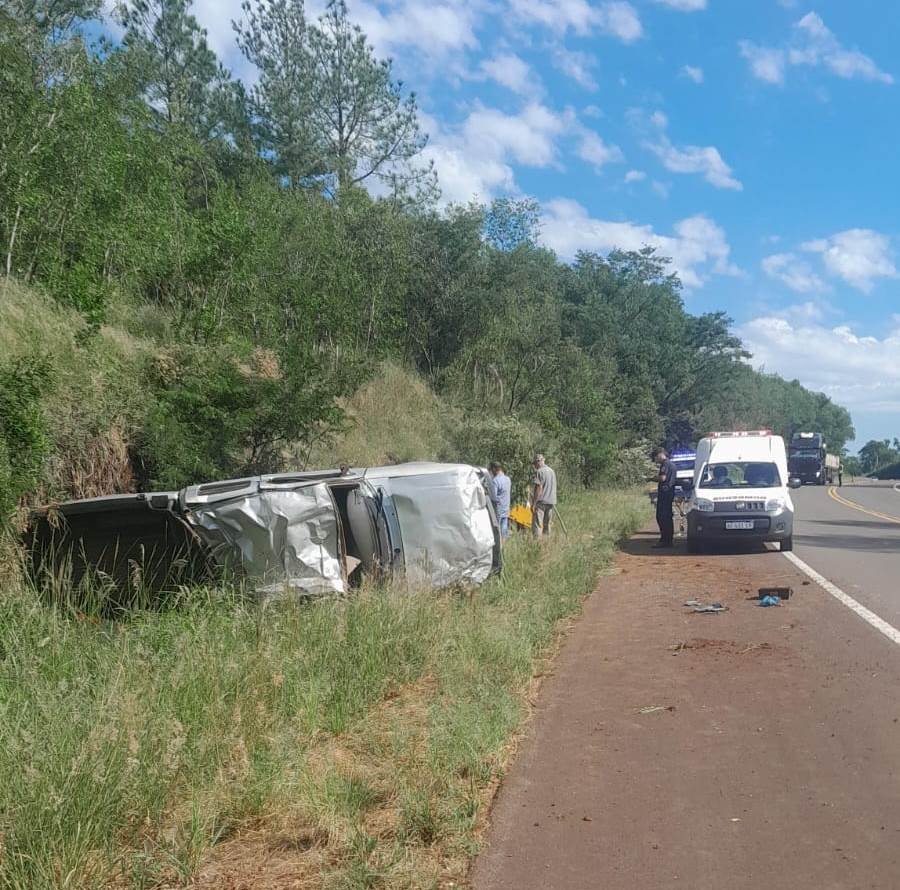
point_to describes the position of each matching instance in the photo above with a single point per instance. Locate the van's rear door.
(130, 540)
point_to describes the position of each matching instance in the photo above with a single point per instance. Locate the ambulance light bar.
(739, 433)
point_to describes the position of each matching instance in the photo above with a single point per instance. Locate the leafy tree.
(67, 230)
(875, 455)
(216, 418)
(54, 18)
(325, 107)
(510, 223)
(448, 294)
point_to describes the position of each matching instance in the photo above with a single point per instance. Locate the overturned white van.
(741, 491)
(309, 533)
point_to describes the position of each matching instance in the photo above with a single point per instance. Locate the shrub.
(508, 440)
(214, 418)
(24, 443)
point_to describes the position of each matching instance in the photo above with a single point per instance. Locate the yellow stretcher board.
(521, 515)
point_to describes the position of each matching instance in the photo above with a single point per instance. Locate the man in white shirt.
(502, 486)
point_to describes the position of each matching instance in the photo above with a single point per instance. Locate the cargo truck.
(809, 460)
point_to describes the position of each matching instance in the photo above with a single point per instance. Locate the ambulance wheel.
(694, 546)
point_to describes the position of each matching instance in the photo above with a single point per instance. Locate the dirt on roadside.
(747, 748)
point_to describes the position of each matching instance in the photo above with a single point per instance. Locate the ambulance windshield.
(740, 474)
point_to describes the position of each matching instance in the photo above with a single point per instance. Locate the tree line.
(281, 241)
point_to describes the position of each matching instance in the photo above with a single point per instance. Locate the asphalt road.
(755, 747)
(851, 535)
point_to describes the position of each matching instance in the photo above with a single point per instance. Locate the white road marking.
(867, 615)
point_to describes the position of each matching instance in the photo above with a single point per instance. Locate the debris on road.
(698, 606)
(766, 601)
(654, 709)
(783, 593)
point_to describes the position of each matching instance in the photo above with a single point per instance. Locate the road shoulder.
(747, 748)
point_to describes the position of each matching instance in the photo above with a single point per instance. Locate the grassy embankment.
(344, 744)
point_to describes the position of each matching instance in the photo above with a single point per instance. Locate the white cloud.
(528, 137)
(859, 372)
(819, 46)
(794, 272)
(510, 71)
(621, 20)
(698, 246)
(465, 178)
(814, 45)
(658, 119)
(594, 150)
(435, 29)
(858, 256)
(616, 17)
(684, 5)
(806, 312)
(704, 160)
(692, 73)
(474, 160)
(576, 65)
(635, 176)
(766, 63)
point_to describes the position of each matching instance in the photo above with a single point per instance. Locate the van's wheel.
(693, 546)
(787, 545)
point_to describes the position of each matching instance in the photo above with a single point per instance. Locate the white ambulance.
(741, 490)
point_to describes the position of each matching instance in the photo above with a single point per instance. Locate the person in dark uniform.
(665, 499)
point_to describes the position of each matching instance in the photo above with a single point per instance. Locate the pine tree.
(184, 81)
(367, 129)
(275, 37)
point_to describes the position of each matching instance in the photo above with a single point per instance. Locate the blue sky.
(754, 141)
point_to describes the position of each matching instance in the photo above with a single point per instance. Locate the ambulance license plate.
(742, 525)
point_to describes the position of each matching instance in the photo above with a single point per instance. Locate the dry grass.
(393, 417)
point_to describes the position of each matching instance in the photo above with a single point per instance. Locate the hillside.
(206, 289)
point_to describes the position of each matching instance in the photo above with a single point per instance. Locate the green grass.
(354, 743)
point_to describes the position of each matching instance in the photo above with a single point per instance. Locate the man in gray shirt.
(543, 497)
